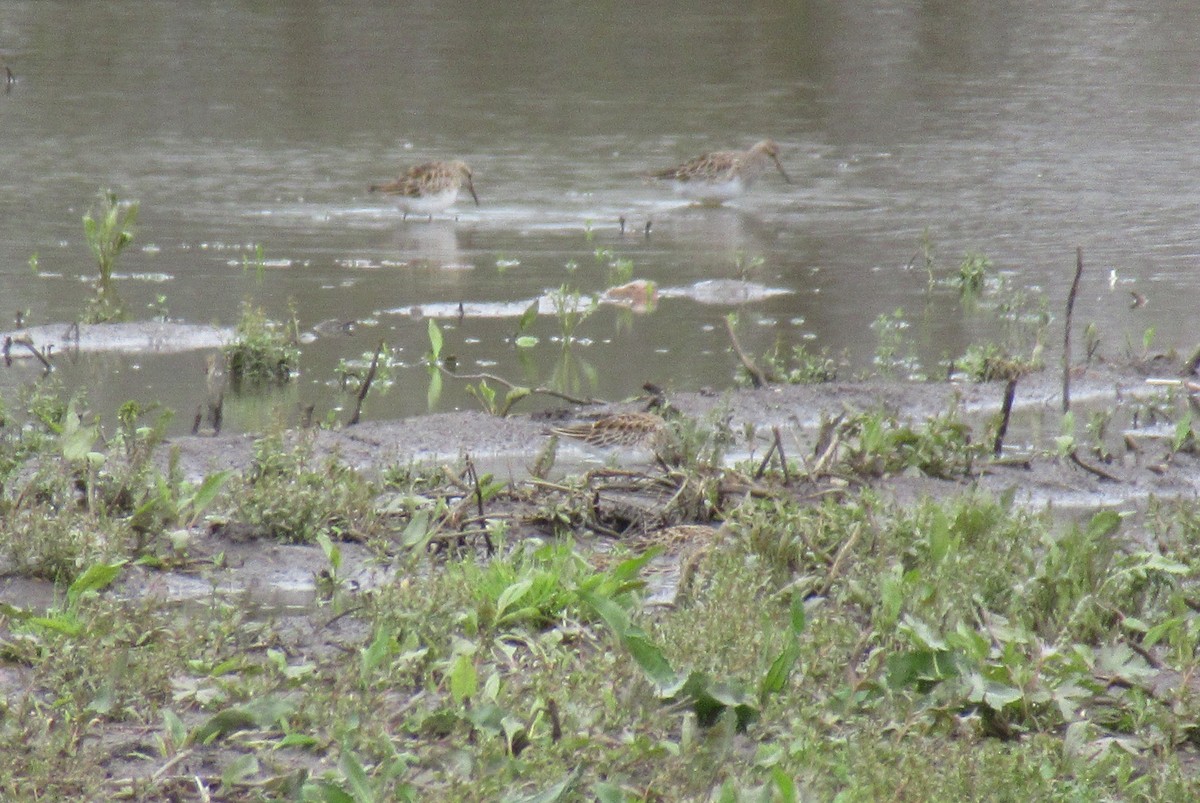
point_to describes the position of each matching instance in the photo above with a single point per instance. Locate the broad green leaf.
(907, 669)
(265, 712)
(77, 442)
(207, 492)
(559, 792)
(939, 536)
(514, 734)
(515, 395)
(511, 595)
(628, 569)
(356, 776)
(435, 340)
(417, 531)
(222, 724)
(1153, 635)
(781, 669)
(176, 730)
(297, 740)
(922, 635)
(382, 646)
(97, 576)
(728, 793)
(527, 318)
(798, 617)
(1103, 524)
(489, 718)
(785, 785)
(331, 793)
(434, 394)
(605, 792)
(463, 678)
(613, 614)
(650, 658)
(241, 768)
(1183, 431)
(64, 623)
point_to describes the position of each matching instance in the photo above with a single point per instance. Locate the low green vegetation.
(264, 351)
(108, 228)
(780, 629)
(831, 644)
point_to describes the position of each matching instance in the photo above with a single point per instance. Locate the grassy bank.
(820, 642)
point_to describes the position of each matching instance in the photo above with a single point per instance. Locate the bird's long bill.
(387, 188)
(471, 187)
(782, 172)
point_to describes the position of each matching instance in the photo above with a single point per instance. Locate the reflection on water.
(1018, 131)
(434, 245)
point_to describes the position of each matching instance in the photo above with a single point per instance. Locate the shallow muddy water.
(1015, 131)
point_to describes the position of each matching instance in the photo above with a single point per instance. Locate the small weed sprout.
(264, 351)
(926, 254)
(620, 271)
(795, 366)
(988, 362)
(972, 274)
(744, 266)
(890, 356)
(109, 228)
(571, 311)
(258, 264)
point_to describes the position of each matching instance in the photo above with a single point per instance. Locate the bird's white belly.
(710, 191)
(428, 203)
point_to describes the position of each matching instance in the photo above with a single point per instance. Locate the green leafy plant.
(893, 354)
(973, 273)
(571, 311)
(108, 228)
(263, 352)
(795, 366)
(294, 497)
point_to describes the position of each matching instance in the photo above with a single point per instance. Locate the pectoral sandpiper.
(618, 429)
(716, 177)
(428, 188)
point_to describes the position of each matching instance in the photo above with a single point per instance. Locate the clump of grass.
(973, 273)
(795, 366)
(895, 353)
(878, 444)
(291, 496)
(571, 310)
(109, 228)
(988, 362)
(264, 352)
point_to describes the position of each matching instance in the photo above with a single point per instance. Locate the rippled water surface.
(1017, 131)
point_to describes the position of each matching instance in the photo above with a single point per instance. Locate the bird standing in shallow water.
(716, 177)
(428, 188)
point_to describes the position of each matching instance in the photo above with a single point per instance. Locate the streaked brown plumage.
(721, 175)
(618, 429)
(428, 188)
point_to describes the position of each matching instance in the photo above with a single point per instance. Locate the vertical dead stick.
(1067, 332)
(1010, 392)
(474, 477)
(757, 377)
(365, 386)
(762, 467)
(782, 456)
